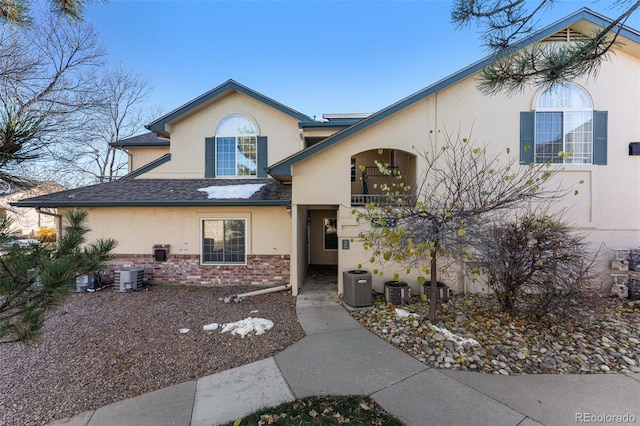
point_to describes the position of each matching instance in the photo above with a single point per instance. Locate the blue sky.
(314, 56)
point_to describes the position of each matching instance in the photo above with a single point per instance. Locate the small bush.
(47, 235)
(536, 266)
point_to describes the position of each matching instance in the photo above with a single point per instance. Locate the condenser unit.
(129, 280)
(357, 288)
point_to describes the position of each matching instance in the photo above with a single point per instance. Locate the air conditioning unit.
(129, 280)
(357, 288)
(86, 282)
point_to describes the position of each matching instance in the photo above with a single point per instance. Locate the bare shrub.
(536, 265)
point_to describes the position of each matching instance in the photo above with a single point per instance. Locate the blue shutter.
(527, 137)
(262, 156)
(600, 128)
(209, 157)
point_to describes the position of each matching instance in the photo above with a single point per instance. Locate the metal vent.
(567, 34)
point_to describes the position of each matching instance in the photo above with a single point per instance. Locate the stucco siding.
(608, 196)
(141, 156)
(137, 229)
(188, 135)
(300, 252)
(324, 178)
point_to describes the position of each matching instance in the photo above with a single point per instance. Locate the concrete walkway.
(339, 356)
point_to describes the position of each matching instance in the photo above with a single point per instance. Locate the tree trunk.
(434, 287)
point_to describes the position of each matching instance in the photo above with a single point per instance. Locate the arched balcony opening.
(383, 176)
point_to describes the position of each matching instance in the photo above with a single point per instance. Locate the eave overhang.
(159, 126)
(282, 170)
(152, 203)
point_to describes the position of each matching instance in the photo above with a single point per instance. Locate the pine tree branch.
(514, 70)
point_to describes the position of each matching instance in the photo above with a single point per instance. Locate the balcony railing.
(375, 171)
(382, 199)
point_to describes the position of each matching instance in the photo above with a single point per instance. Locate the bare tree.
(119, 114)
(124, 118)
(47, 80)
(460, 187)
(506, 22)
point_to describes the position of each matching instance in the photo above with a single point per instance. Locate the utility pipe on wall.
(265, 291)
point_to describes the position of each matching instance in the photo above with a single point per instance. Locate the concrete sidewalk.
(339, 356)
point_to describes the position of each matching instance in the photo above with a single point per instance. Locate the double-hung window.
(564, 125)
(224, 241)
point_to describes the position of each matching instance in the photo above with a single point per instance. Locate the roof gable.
(158, 126)
(282, 169)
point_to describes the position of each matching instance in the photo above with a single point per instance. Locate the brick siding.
(270, 270)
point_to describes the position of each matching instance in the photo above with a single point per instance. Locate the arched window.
(236, 147)
(564, 125)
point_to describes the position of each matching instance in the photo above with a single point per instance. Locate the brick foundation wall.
(270, 270)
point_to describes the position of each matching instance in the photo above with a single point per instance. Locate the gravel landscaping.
(604, 338)
(104, 347)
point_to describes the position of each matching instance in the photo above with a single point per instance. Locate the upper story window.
(236, 147)
(564, 125)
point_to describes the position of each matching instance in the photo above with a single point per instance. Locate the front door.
(323, 237)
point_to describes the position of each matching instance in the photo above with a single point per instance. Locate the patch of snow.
(401, 313)
(253, 312)
(459, 340)
(246, 326)
(232, 191)
(184, 330)
(212, 326)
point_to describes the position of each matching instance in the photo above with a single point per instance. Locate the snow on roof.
(232, 191)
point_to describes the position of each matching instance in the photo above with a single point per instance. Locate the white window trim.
(255, 135)
(564, 110)
(242, 114)
(237, 153)
(536, 100)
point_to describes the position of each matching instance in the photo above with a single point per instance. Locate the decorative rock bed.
(599, 339)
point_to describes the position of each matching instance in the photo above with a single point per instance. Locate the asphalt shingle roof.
(145, 139)
(161, 192)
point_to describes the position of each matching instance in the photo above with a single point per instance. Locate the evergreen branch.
(512, 70)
